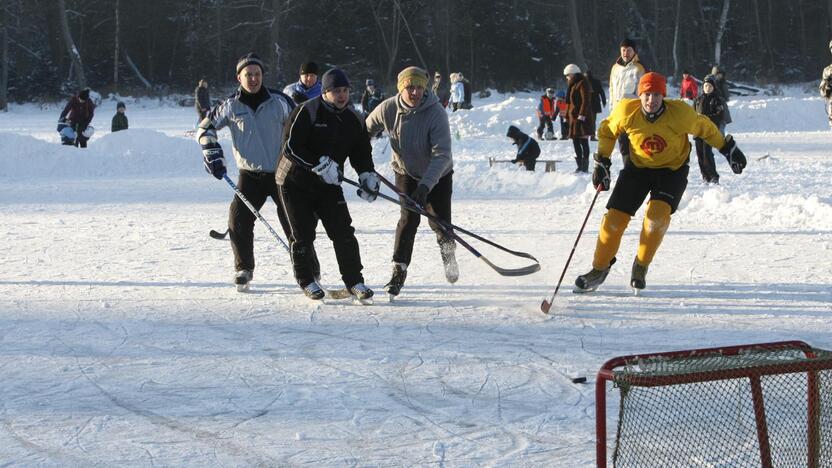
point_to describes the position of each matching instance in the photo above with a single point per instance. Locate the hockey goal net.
(767, 404)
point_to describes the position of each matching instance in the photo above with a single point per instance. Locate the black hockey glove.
(601, 172)
(213, 160)
(298, 98)
(420, 195)
(733, 154)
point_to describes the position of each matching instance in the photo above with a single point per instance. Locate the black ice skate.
(314, 291)
(243, 280)
(637, 277)
(590, 281)
(362, 293)
(394, 286)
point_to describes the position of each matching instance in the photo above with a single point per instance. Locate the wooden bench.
(550, 165)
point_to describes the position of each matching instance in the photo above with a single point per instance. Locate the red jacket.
(689, 89)
(77, 112)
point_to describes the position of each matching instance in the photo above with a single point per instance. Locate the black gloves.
(420, 195)
(601, 172)
(733, 154)
(298, 98)
(213, 160)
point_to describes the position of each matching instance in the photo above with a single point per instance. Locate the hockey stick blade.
(218, 235)
(545, 306)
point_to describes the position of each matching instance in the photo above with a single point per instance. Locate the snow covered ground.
(124, 343)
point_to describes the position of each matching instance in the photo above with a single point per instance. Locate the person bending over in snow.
(547, 110)
(74, 121)
(527, 149)
(658, 132)
(421, 140)
(320, 135)
(826, 88)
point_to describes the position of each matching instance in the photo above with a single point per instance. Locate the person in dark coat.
(527, 148)
(371, 97)
(579, 97)
(711, 105)
(78, 114)
(321, 135)
(466, 90)
(120, 119)
(599, 99)
(721, 87)
(202, 99)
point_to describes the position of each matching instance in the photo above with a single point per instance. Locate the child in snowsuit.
(120, 119)
(547, 110)
(562, 107)
(711, 106)
(527, 149)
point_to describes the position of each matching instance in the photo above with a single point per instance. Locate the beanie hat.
(309, 67)
(249, 59)
(370, 82)
(84, 94)
(412, 76)
(334, 78)
(627, 42)
(709, 79)
(653, 83)
(120, 105)
(571, 69)
(550, 91)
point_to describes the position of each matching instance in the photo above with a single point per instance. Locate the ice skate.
(242, 279)
(394, 286)
(590, 281)
(637, 277)
(361, 293)
(314, 291)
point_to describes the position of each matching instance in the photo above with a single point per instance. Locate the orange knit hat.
(652, 82)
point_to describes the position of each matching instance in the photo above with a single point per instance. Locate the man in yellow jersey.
(658, 132)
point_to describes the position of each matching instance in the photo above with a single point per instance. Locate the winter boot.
(550, 135)
(361, 292)
(637, 277)
(448, 252)
(593, 279)
(394, 286)
(243, 280)
(586, 164)
(314, 291)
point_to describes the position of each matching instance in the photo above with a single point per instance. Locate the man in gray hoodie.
(420, 137)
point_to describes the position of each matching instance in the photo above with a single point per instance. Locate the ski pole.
(255, 212)
(546, 305)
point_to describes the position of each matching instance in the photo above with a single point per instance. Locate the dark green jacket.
(119, 122)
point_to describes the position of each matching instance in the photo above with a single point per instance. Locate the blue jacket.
(297, 88)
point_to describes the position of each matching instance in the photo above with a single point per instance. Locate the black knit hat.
(709, 79)
(627, 42)
(84, 94)
(309, 67)
(334, 78)
(121, 105)
(249, 59)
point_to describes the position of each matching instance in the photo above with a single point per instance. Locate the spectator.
(579, 97)
(457, 92)
(688, 90)
(711, 106)
(77, 115)
(547, 110)
(527, 149)
(307, 87)
(202, 99)
(599, 100)
(119, 119)
(721, 86)
(624, 77)
(371, 97)
(440, 90)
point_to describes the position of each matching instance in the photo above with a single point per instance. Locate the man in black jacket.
(599, 100)
(322, 133)
(711, 105)
(202, 100)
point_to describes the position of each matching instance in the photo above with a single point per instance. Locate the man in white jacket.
(624, 76)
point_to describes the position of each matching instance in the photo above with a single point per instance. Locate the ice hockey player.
(421, 140)
(371, 98)
(579, 97)
(120, 118)
(527, 149)
(322, 133)
(255, 116)
(624, 76)
(547, 110)
(826, 88)
(710, 105)
(658, 131)
(307, 86)
(77, 115)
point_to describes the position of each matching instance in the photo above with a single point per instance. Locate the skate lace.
(360, 288)
(313, 288)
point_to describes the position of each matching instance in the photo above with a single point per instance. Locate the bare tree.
(115, 46)
(4, 59)
(576, 34)
(75, 56)
(720, 32)
(391, 45)
(676, 38)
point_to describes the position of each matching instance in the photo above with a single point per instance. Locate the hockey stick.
(546, 305)
(255, 212)
(218, 235)
(449, 229)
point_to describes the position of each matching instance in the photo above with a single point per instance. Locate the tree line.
(50, 48)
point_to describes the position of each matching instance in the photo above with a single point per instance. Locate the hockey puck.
(578, 379)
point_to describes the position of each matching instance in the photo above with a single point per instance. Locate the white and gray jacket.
(256, 136)
(420, 137)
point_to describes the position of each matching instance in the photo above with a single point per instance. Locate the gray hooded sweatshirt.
(420, 137)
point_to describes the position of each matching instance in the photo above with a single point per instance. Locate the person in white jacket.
(624, 76)
(457, 92)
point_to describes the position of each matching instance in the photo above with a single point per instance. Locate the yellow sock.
(656, 222)
(609, 238)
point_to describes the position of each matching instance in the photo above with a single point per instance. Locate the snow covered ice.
(124, 342)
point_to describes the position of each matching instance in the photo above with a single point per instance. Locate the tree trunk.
(4, 61)
(136, 70)
(676, 38)
(74, 55)
(410, 33)
(645, 35)
(274, 36)
(723, 20)
(577, 45)
(115, 48)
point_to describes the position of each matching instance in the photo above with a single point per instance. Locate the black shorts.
(635, 183)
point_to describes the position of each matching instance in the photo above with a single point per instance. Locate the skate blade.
(342, 293)
(636, 292)
(243, 287)
(391, 297)
(365, 302)
(578, 290)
